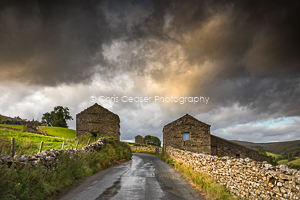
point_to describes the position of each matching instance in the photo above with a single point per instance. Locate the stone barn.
(98, 121)
(138, 139)
(188, 133)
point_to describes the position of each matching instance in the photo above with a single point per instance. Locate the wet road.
(144, 177)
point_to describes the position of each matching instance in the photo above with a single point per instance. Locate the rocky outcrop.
(245, 178)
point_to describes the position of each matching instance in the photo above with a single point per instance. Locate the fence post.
(89, 141)
(41, 147)
(77, 144)
(62, 147)
(12, 147)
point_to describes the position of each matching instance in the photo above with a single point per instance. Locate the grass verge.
(19, 127)
(203, 182)
(35, 182)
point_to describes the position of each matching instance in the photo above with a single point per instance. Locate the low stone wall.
(151, 148)
(49, 157)
(244, 177)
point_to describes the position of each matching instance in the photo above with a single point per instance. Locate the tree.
(284, 157)
(272, 160)
(295, 153)
(47, 119)
(290, 157)
(148, 139)
(262, 152)
(58, 117)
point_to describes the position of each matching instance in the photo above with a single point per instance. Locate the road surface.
(144, 177)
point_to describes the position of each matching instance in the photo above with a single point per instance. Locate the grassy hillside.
(27, 143)
(20, 127)
(294, 162)
(59, 132)
(273, 154)
(283, 162)
(55, 131)
(274, 147)
(2, 118)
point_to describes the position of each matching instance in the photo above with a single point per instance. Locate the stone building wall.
(98, 121)
(201, 141)
(221, 147)
(138, 139)
(244, 177)
(199, 135)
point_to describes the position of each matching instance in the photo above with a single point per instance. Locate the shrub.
(40, 182)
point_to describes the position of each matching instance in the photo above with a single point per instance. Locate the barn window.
(185, 136)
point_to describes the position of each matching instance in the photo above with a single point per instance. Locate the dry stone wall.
(50, 158)
(151, 148)
(245, 178)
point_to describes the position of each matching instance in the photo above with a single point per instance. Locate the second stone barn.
(98, 121)
(138, 139)
(189, 133)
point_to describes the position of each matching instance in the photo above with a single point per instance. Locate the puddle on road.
(111, 191)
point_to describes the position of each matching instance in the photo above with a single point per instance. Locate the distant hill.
(2, 118)
(273, 147)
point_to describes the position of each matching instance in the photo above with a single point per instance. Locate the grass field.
(294, 162)
(20, 127)
(273, 154)
(59, 132)
(55, 131)
(281, 162)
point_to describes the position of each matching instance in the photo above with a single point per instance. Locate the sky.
(232, 64)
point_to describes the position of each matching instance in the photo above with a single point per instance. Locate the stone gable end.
(138, 139)
(98, 121)
(199, 134)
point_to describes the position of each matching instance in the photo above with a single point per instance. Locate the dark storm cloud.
(243, 52)
(50, 42)
(253, 48)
